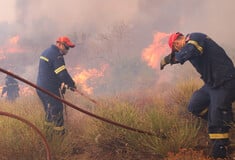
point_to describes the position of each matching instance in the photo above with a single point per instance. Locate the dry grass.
(89, 138)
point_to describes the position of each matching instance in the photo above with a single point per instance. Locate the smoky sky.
(40, 22)
(43, 19)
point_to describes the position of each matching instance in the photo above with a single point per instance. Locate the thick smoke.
(96, 27)
(39, 19)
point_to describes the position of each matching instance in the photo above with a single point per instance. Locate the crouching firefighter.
(51, 74)
(213, 101)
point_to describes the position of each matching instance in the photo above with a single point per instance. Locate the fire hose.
(160, 135)
(33, 127)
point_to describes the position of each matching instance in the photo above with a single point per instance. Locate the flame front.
(82, 76)
(11, 46)
(156, 50)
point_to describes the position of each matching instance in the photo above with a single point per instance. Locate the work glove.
(169, 59)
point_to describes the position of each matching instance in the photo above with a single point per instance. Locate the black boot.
(219, 149)
(219, 152)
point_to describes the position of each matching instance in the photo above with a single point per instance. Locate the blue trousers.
(53, 110)
(215, 106)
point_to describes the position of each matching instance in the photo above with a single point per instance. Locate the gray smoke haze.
(97, 25)
(40, 19)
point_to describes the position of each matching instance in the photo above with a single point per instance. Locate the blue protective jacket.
(208, 58)
(52, 71)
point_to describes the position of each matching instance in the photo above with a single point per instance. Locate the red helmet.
(173, 37)
(66, 41)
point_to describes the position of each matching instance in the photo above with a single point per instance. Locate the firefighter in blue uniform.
(11, 88)
(51, 74)
(213, 101)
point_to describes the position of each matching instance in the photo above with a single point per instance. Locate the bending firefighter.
(213, 101)
(52, 73)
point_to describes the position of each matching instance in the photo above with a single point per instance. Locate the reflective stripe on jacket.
(209, 59)
(52, 71)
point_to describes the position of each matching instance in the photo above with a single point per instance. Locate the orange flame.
(14, 40)
(156, 50)
(11, 46)
(82, 76)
